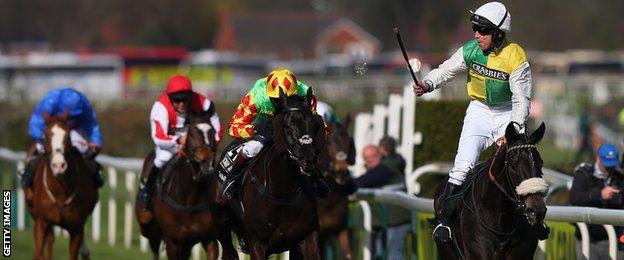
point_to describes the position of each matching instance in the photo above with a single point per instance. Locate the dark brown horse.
(276, 210)
(182, 203)
(63, 193)
(502, 203)
(333, 210)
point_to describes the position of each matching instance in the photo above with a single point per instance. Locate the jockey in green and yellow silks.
(252, 122)
(499, 85)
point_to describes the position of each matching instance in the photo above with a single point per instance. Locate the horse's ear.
(65, 115)
(510, 132)
(537, 135)
(351, 152)
(211, 110)
(46, 117)
(347, 120)
(309, 97)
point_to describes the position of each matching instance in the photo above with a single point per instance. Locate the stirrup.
(441, 237)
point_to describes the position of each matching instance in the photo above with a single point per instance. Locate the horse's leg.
(76, 236)
(154, 243)
(40, 228)
(257, 250)
(309, 247)
(49, 241)
(177, 251)
(212, 250)
(84, 250)
(229, 252)
(343, 238)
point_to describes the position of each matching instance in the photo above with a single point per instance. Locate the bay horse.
(182, 202)
(333, 211)
(63, 192)
(275, 209)
(502, 203)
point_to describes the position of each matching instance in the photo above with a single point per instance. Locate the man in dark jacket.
(598, 185)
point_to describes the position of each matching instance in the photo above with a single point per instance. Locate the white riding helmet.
(492, 15)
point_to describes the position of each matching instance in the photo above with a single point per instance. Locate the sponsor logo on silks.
(6, 223)
(490, 73)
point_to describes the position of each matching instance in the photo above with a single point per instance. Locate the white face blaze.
(204, 128)
(57, 162)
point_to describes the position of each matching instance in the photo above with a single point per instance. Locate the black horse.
(502, 209)
(276, 206)
(334, 209)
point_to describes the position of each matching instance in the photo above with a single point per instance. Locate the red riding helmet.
(179, 83)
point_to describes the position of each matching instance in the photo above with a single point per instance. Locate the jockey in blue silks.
(84, 130)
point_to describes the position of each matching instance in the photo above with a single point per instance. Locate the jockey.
(168, 121)
(499, 86)
(251, 123)
(82, 124)
(327, 112)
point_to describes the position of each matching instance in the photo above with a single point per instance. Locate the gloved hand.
(421, 88)
(263, 127)
(93, 151)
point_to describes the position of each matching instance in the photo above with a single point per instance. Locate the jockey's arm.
(159, 122)
(88, 123)
(520, 83)
(214, 119)
(447, 70)
(241, 123)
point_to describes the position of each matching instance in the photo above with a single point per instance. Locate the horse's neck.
(181, 185)
(491, 198)
(278, 181)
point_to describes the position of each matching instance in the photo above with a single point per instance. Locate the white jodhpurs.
(252, 148)
(482, 126)
(76, 139)
(163, 156)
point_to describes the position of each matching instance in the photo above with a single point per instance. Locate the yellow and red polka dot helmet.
(281, 79)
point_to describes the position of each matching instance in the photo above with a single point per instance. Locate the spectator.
(392, 159)
(398, 218)
(598, 185)
(377, 174)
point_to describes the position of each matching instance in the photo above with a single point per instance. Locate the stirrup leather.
(443, 226)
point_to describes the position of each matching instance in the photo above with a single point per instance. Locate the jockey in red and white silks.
(168, 125)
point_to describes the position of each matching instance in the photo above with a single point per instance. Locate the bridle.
(513, 197)
(305, 139)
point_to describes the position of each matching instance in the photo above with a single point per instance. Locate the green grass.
(23, 247)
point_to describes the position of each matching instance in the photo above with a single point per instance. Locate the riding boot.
(28, 174)
(146, 189)
(95, 169)
(229, 184)
(322, 188)
(442, 232)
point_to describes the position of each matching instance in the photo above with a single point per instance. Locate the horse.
(182, 203)
(275, 209)
(502, 203)
(333, 211)
(63, 192)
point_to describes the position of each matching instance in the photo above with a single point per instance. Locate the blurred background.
(121, 54)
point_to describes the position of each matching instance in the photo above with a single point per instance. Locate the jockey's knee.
(457, 177)
(162, 157)
(252, 148)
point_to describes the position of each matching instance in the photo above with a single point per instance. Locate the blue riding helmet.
(71, 101)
